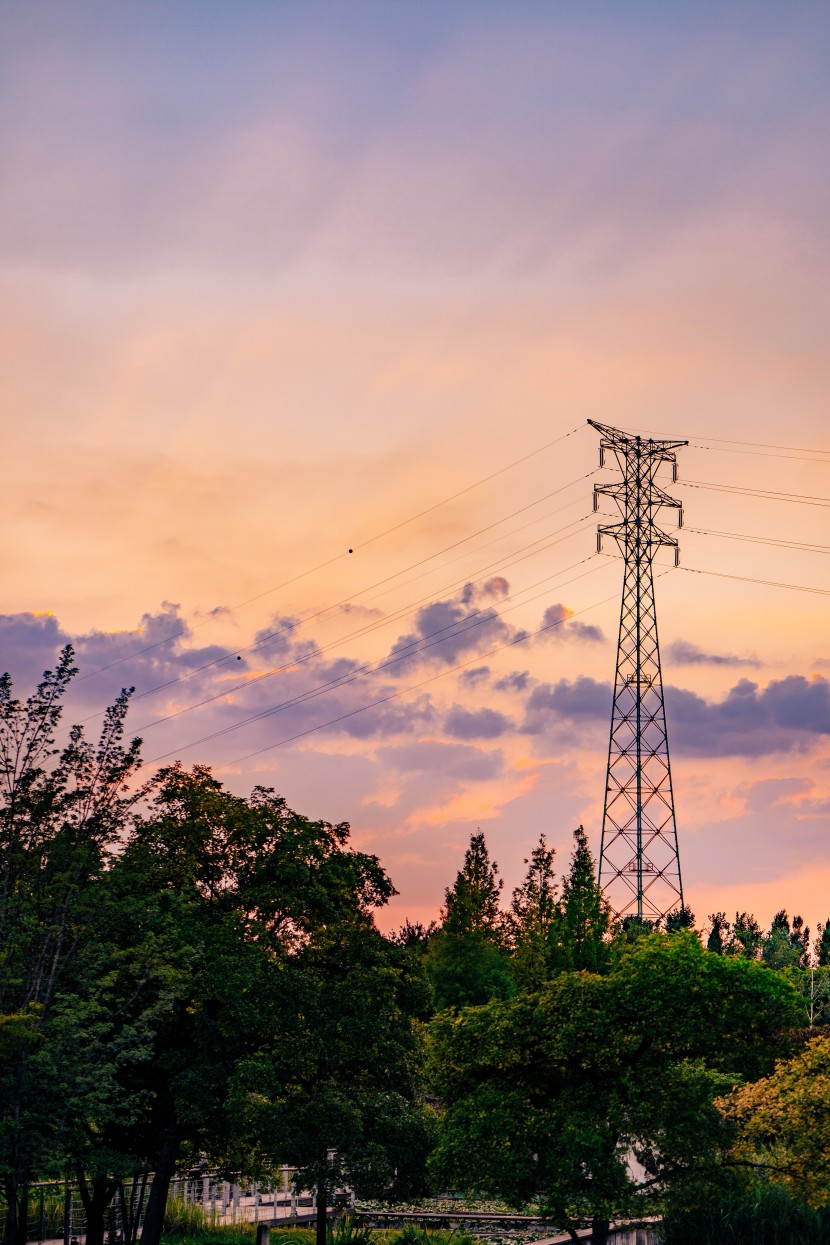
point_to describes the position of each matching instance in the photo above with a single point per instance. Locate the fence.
(56, 1211)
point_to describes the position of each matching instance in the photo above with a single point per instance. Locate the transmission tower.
(639, 868)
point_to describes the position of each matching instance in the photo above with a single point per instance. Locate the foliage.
(583, 919)
(532, 913)
(466, 961)
(786, 945)
(61, 811)
(472, 903)
(552, 1091)
(749, 1213)
(783, 1123)
(679, 918)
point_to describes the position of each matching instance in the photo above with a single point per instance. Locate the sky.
(303, 311)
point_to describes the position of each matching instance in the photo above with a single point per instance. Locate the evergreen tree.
(747, 936)
(782, 947)
(822, 944)
(532, 916)
(720, 933)
(472, 904)
(583, 917)
(680, 918)
(466, 961)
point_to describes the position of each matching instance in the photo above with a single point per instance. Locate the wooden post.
(263, 1234)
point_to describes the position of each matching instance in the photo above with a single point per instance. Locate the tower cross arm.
(615, 438)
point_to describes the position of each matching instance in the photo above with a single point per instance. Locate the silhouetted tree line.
(192, 978)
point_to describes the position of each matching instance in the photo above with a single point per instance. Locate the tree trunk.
(320, 1202)
(10, 1232)
(599, 1231)
(157, 1201)
(96, 1204)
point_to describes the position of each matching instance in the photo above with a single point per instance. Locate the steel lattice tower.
(639, 868)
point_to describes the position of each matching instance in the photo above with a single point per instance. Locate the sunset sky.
(284, 280)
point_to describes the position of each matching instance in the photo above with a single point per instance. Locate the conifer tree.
(720, 933)
(822, 944)
(472, 904)
(532, 916)
(584, 917)
(466, 961)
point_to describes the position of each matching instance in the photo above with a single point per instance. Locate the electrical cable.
(403, 612)
(746, 579)
(802, 546)
(292, 626)
(330, 561)
(745, 491)
(416, 648)
(416, 686)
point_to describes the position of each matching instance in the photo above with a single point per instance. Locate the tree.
(61, 809)
(546, 1095)
(532, 916)
(747, 936)
(466, 962)
(681, 918)
(786, 946)
(334, 1090)
(783, 1123)
(583, 918)
(471, 905)
(293, 1001)
(720, 934)
(822, 944)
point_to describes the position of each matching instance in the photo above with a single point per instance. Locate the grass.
(345, 1232)
(764, 1214)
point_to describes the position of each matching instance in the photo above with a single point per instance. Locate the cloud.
(472, 678)
(685, 653)
(557, 623)
(447, 631)
(516, 681)
(463, 723)
(572, 700)
(788, 714)
(460, 761)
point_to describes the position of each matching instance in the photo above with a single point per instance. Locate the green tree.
(720, 934)
(680, 918)
(61, 810)
(472, 904)
(287, 979)
(466, 961)
(335, 1090)
(822, 944)
(533, 912)
(747, 936)
(786, 946)
(783, 1123)
(583, 918)
(548, 1094)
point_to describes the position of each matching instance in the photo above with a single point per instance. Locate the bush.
(759, 1214)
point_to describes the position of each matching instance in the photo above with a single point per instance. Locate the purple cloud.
(685, 653)
(516, 681)
(558, 623)
(460, 761)
(463, 723)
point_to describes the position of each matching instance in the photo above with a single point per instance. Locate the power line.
(417, 646)
(746, 491)
(746, 579)
(403, 612)
(416, 686)
(186, 630)
(703, 443)
(762, 540)
(291, 627)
